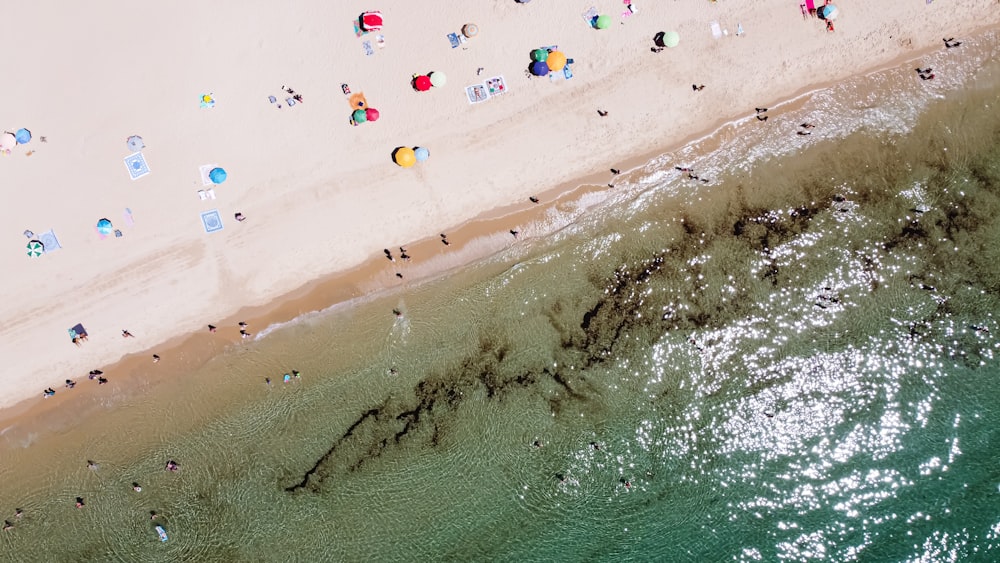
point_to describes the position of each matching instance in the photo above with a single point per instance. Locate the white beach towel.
(203, 170)
(589, 16)
(716, 30)
(202, 195)
(210, 193)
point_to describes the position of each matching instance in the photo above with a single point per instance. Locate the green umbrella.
(35, 249)
(603, 22)
(671, 39)
(540, 55)
(359, 116)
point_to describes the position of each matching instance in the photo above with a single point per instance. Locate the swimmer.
(537, 444)
(155, 358)
(18, 513)
(7, 525)
(79, 502)
(153, 515)
(595, 445)
(172, 465)
(287, 378)
(92, 466)
(244, 334)
(398, 313)
(136, 487)
(393, 371)
(296, 374)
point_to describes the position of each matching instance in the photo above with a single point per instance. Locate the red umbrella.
(371, 114)
(422, 83)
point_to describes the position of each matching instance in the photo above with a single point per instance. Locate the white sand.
(319, 194)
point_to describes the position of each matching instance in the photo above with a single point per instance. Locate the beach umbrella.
(539, 68)
(556, 61)
(421, 154)
(539, 55)
(104, 227)
(671, 39)
(217, 175)
(828, 12)
(35, 249)
(438, 79)
(372, 114)
(7, 141)
(470, 30)
(422, 83)
(359, 116)
(135, 143)
(602, 22)
(405, 157)
(22, 136)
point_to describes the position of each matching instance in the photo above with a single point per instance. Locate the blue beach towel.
(453, 39)
(211, 220)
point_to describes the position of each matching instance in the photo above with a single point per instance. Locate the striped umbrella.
(35, 249)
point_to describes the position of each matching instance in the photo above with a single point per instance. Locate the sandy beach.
(322, 196)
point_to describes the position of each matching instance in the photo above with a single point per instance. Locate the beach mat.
(589, 16)
(496, 86)
(203, 170)
(716, 29)
(49, 241)
(211, 220)
(477, 93)
(136, 164)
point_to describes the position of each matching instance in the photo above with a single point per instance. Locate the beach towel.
(380, 41)
(716, 30)
(127, 215)
(590, 15)
(567, 72)
(136, 164)
(366, 46)
(811, 6)
(49, 241)
(211, 220)
(496, 86)
(477, 93)
(453, 39)
(203, 170)
(210, 192)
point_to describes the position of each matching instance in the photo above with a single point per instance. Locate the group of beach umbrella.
(360, 116)
(546, 60)
(424, 82)
(407, 157)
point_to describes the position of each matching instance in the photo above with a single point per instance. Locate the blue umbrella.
(217, 175)
(22, 136)
(539, 68)
(104, 227)
(421, 153)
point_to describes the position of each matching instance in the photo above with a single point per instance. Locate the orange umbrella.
(405, 157)
(556, 61)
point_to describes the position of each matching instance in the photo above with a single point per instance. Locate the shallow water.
(793, 361)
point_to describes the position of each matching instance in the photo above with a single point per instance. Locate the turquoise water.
(794, 361)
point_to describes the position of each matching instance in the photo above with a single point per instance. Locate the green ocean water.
(794, 361)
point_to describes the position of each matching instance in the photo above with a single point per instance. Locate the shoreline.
(476, 239)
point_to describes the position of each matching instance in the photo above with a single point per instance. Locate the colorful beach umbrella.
(7, 141)
(539, 68)
(135, 143)
(828, 12)
(22, 136)
(421, 154)
(35, 249)
(359, 116)
(422, 83)
(556, 61)
(602, 22)
(671, 39)
(217, 175)
(539, 55)
(105, 227)
(405, 157)
(372, 114)
(470, 30)
(438, 79)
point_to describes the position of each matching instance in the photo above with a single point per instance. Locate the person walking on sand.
(616, 171)
(602, 113)
(388, 254)
(211, 328)
(761, 118)
(156, 358)
(444, 239)
(533, 199)
(127, 334)
(514, 232)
